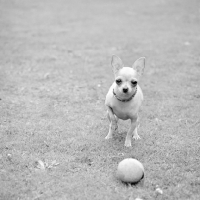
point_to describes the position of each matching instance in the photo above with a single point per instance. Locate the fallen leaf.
(53, 164)
(159, 191)
(40, 164)
(186, 43)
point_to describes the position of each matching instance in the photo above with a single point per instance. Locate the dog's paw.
(136, 137)
(109, 136)
(127, 143)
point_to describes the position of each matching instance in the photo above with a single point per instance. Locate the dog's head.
(126, 78)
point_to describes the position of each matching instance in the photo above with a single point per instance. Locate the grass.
(55, 73)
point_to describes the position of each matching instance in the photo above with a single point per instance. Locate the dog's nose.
(125, 90)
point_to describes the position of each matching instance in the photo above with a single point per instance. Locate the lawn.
(54, 75)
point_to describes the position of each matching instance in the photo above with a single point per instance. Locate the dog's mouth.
(125, 95)
(127, 92)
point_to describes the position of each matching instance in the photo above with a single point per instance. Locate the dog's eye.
(134, 83)
(118, 81)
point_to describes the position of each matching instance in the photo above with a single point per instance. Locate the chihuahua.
(125, 97)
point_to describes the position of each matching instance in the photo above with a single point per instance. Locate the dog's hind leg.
(131, 131)
(135, 135)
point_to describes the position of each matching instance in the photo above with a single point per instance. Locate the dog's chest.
(124, 110)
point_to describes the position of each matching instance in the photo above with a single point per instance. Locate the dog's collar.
(124, 100)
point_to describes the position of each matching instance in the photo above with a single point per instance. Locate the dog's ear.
(116, 63)
(139, 65)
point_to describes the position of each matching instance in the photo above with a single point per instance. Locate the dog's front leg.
(133, 129)
(113, 123)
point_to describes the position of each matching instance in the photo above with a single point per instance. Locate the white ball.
(130, 170)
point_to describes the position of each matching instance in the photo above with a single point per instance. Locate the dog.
(125, 97)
